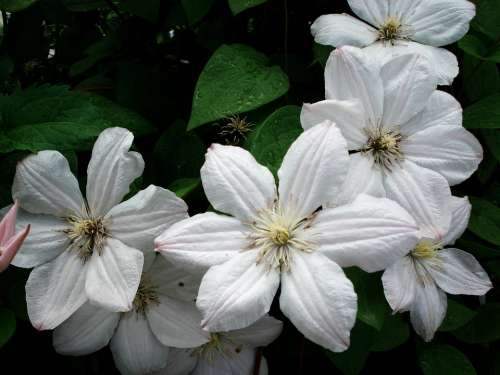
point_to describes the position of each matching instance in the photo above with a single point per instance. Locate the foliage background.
(69, 68)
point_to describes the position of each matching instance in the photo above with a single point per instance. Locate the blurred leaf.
(15, 5)
(147, 9)
(473, 45)
(483, 114)
(457, 315)
(184, 186)
(96, 52)
(195, 9)
(84, 5)
(7, 325)
(238, 6)
(480, 78)
(487, 168)
(485, 220)
(236, 79)
(492, 139)
(483, 328)
(493, 267)
(321, 53)
(478, 250)
(487, 16)
(436, 359)
(394, 332)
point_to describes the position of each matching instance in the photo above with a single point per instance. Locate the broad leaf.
(7, 325)
(483, 328)
(394, 332)
(484, 114)
(485, 220)
(457, 315)
(436, 359)
(15, 5)
(238, 6)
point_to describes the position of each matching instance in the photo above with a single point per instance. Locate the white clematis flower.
(163, 315)
(283, 236)
(418, 281)
(401, 26)
(87, 249)
(392, 115)
(227, 353)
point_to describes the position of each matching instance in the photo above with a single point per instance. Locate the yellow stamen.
(426, 249)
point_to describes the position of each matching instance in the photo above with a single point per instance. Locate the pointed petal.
(342, 30)
(111, 169)
(451, 151)
(180, 362)
(460, 214)
(114, 275)
(8, 223)
(11, 248)
(135, 349)
(236, 293)
(399, 282)
(137, 221)
(89, 329)
(44, 184)
(55, 290)
(261, 333)
(202, 241)
(236, 362)
(370, 233)
(313, 169)
(373, 11)
(322, 308)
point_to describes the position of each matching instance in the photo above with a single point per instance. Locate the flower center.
(391, 30)
(145, 296)
(279, 234)
(86, 235)
(426, 249)
(385, 146)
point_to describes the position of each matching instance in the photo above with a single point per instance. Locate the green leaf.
(480, 78)
(473, 45)
(84, 5)
(15, 5)
(394, 332)
(484, 114)
(436, 359)
(492, 139)
(271, 139)
(483, 328)
(238, 6)
(485, 220)
(480, 251)
(195, 9)
(321, 53)
(96, 52)
(236, 79)
(147, 9)
(7, 325)
(183, 186)
(457, 315)
(487, 16)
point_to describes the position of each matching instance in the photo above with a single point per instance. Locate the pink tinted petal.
(8, 252)
(8, 224)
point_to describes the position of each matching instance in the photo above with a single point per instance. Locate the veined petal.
(114, 275)
(12, 246)
(342, 29)
(399, 282)
(8, 223)
(44, 184)
(180, 362)
(137, 221)
(261, 333)
(135, 349)
(370, 233)
(322, 308)
(202, 241)
(241, 362)
(346, 114)
(373, 11)
(313, 169)
(236, 293)
(458, 272)
(451, 151)
(460, 214)
(111, 169)
(89, 329)
(55, 290)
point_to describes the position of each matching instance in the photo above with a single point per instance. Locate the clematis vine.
(10, 241)
(402, 26)
(285, 235)
(87, 249)
(392, 115)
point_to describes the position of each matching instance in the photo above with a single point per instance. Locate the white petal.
(89, 329)
(55, 290)
(114, 275)
(235, 183)
(313, 169)
(399, 284)
(261, 333)
(202, 241)
(372, 11)
(322, 308)
(45, 241)
(408, 83)
(370, 233)
(241, 363)
(425, 194)
(458, 272)
(111, 169)
(135, 349)
(441, 22)
(235, 294)
(350, 74)
(451, 151)
(460, 214)
(176, 323)
(342, 30)
(44, 184)
(442, 109)
(180, 362)
(137, 221)
(346, 114)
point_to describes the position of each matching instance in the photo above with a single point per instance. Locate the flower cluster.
(367, 184)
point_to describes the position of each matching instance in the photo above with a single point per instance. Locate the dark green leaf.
(481, 78)
(321, 53)
(147, 9)
(84, 5)
(484, 114)
(480, 251)
(394, 332)
(483, 328)
(487, 16)
(184, 186)
(196, 9)
(435, 359)
(238, 6)
(7, 325)
(95, 53)
(492, 138)
(474, 46)
(457, 315)
(15, 5)
(485, 220)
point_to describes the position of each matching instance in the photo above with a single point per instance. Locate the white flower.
(418, 281)
(227, 353)
(87, 249)
(401, 26)
(392, 115)
(283, 236)
(163, 315)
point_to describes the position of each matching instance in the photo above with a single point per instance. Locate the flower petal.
(342, 29)
(202, 241)
(451, 151)
(12, 247)
(346, 114)
(322, 308)
(137, 221)
(44, 184)
(237, 362)
(370, 233)
(55, 290)
(236, 293)
(135, 349)
(89, 329)
(373, 11)
(399, 282)
(111, 169)
(458, 272)
(180, 362)
(313, 169)
(261, 333)
(460, 214)
(114, 275)
(8, 223)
